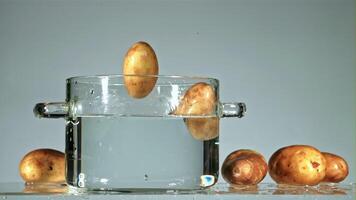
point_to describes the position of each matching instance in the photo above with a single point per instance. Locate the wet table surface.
(219, 191)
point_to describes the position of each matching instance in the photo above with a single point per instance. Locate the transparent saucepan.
(115, 141)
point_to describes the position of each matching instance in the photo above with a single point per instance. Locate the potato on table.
(244, 167)
(297, 165)
(43, 165)
(336, 168)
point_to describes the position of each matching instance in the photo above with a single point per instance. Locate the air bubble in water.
(91, 91)
(146, 177)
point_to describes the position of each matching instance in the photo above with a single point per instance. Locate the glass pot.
(118, 142)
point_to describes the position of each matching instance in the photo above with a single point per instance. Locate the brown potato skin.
(297, 165)
(244, 167)
(43, 165)
(200, 99)
(337, 168)
(203, 128)
(140, 59)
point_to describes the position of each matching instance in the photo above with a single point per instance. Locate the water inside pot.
(124, 153)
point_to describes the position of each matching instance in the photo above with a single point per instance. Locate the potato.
(199, 99)
(244, 167)
(140, 59)
(203, 128)
(297, 165)
(336, 168)
(43, 165)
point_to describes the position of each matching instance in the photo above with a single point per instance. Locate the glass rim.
(76, 78)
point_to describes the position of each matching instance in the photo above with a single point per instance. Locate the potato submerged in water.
(203, 128)
(297, 165)
(200, 99)
(140, 59)
(43, 165)
(244, 167)
(336, 168)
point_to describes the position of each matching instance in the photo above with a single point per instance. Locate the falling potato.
(200, 99)
(297, 165)
(141, 67)
(244, 167)
(336, 168)
(43, 165)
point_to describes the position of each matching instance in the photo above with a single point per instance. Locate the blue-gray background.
(291, 61)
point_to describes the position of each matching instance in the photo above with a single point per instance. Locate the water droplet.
(76, 82)
(81, 184)
(172, 184)
(81, 176)
(91, 91)
(104, 181)
(172, 192)
(146, 177)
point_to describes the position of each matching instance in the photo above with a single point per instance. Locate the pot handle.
(233, 109)
(51, 110)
